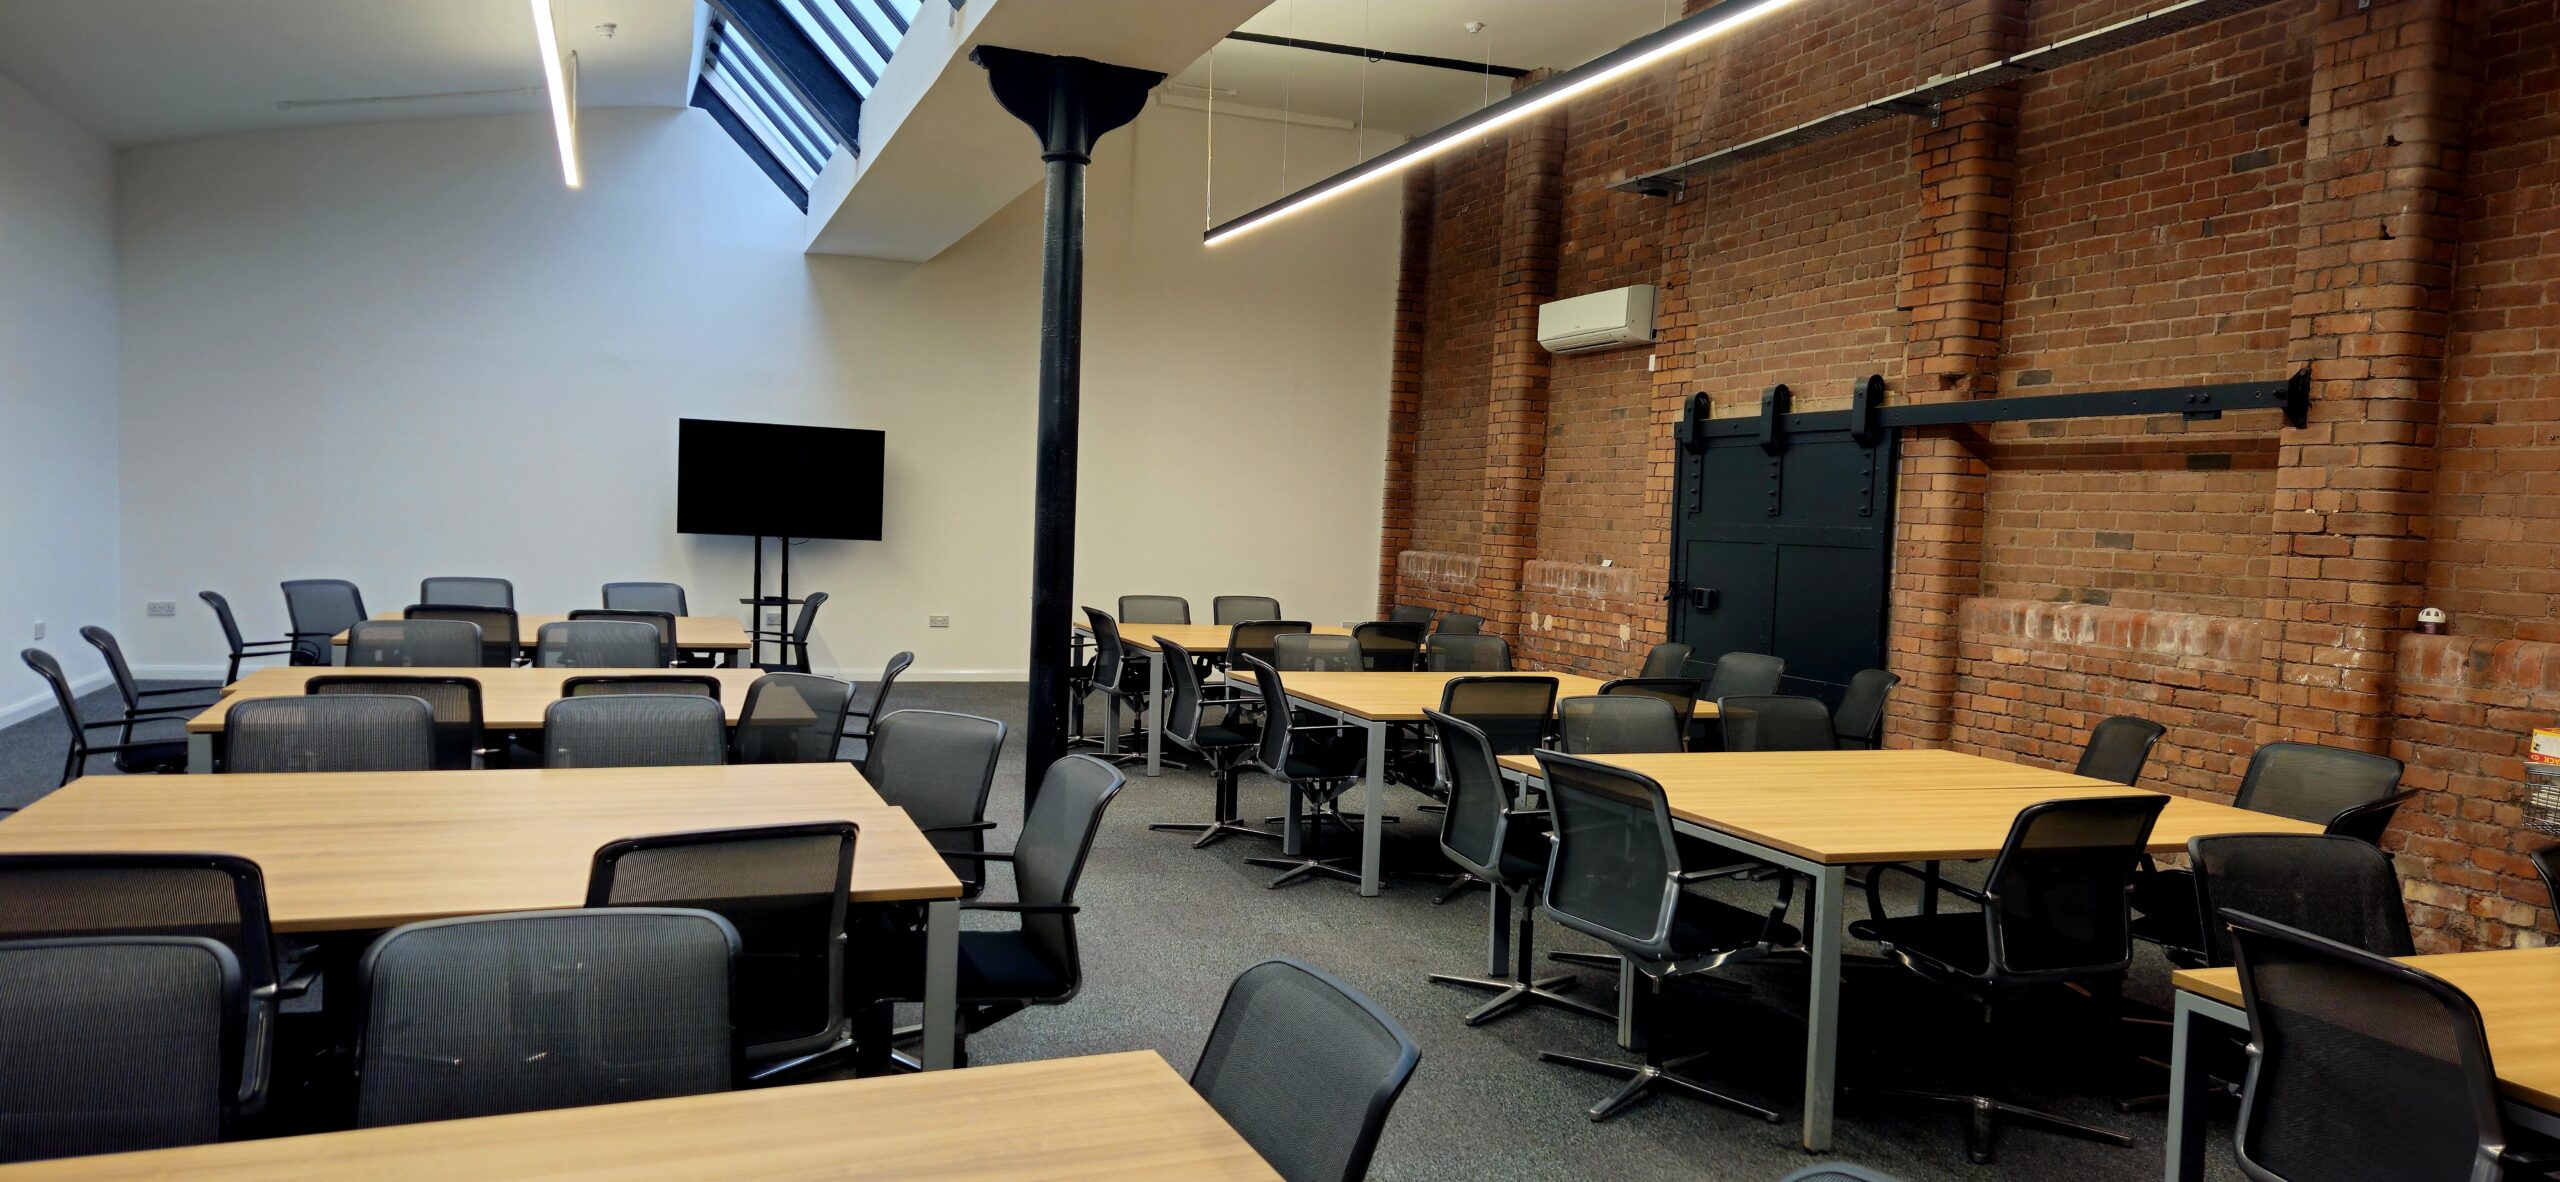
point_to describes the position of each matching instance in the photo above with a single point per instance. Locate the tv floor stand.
(758, 633)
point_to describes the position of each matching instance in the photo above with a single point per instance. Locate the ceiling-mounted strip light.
(1675, 38)
(560, 77)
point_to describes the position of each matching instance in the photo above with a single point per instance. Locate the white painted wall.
(57, 393)
(386, 351)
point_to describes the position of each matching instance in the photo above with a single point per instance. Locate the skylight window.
(786, 78)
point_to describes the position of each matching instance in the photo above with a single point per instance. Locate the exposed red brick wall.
(1457, 349)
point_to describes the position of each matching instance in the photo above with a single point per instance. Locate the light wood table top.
(693, 633)
(1122, 1116)
(1402, 697)
(362, 851)
(1858, 807)
(510, 699)
(1199, 638)
(2514, 990)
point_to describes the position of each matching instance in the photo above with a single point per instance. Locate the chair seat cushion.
(1702, 925)
(1959, 943)
(1220, 734)
(2164, 902)
(154, 757)
(1006, 965)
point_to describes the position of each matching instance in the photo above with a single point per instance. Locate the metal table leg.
(199, 753)
(1822, 1011)
(1373, 781)
(2190, 1085)
(1155, 711)
(941, 983)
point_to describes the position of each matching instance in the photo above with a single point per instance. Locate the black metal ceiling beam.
(1381, 55)
(710, 100)
(1867, 416)
(804, 67)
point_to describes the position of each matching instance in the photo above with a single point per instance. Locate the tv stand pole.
(757, 632)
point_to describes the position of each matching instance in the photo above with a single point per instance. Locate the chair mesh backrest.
(1775, 722)
(2117, 749)
(1744, 674)
(2546, 865)
(501, 635)
(331, 733)
(63, 699)
(1110, 659)
(939, 767)
(1155, 609)
(784, 888)
(1667, 659)
(2336, 887)
(439, 644)
(1305, 1069)
(1860, 719)
(661, 622)
(1304, 652)
(1614, 871)
(1408, 614)
(1393, 646)
(231, 638)
(645, 597)
(321, 608)
(2061, 880)
(1619, 724)
(1273, 755)
(1679, 693)
(792, 718)
(1255, 638)
(467, 591)
(1468, 653)
(1182, 692)
(634, 730)
(598, 644)
(2309, 782)
(1460, 624)
(114, 1044)
(700, 685)
(117, 670)
(454, 701)
(1049, 858)
(872, 701)
(1513, 712)
(218, 897)
(1243, 609)
(1473, 830)
(807, 620)
(543, 1009)
(2363, 1068)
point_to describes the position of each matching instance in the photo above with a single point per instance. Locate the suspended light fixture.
(1671, 40)
(560, 77)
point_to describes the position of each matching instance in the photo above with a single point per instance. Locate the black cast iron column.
(1069, 103)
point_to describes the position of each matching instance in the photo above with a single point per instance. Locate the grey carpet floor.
(1165, 927)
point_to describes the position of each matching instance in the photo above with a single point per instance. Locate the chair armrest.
(182, 689)
(294, 986)
(970, 827)
(1524, 812)
(981, 855)
(1330, 726)
(1025, 908)
(1875, 885)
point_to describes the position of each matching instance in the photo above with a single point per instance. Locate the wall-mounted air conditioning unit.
(1601, 320)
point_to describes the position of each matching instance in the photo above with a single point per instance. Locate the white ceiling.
(1409, 99)
(136, 71)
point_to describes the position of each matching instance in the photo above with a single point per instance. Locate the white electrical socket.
(39, 629)
(160, 608)
(773, 619)
(937, 621)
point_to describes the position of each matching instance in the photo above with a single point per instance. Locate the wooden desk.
(1141, 640)
(1123, 1116)
(360, 852)
(2513, 988)
(721, 634)
(1811, 812)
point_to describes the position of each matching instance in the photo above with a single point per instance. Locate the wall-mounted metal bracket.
(1867, 418)
(1866, 400)
(1774, 404)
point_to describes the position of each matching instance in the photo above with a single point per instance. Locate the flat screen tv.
(774, 480)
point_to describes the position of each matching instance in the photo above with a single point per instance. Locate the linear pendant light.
(1672, 39)
(560, 77)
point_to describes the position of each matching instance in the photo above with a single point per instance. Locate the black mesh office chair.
(115, 1044)
(791, 718)
(1616, 875)
(645, 597)
(634, 730)
(784, 889)
(1744, 674)
(1318, 762)
(1408, 614)
(1154, 609)
(1003, 972)
(1858, 724)
(1616, 724)
(2546, 866)
(1679, 693)
(467, 591)
(317, 610)
(2348, 792)
(2329, 885)
(217, 897)
(664, 624)
(1492, 834)
(699, 685)
(1305, 652)
(132, 756)
(2052, 914)
(598, 644)
(491, 1014)
(939, 766)
(1243, 609)
(1305, 1068)
(1121, 681)
(1459, 624)
(870, 703)
(139, 703)
(795, 645)
(1667, 659)
(414, 643)
(1513, 710)
(454, 702)
(1775, 722)
(1468, 653)
(2117, 749)
(1222, 745)
(331, 733)
(1393, 646)
(1256, 638)
(237, 647)
(2363, 1067)
(501, 634)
